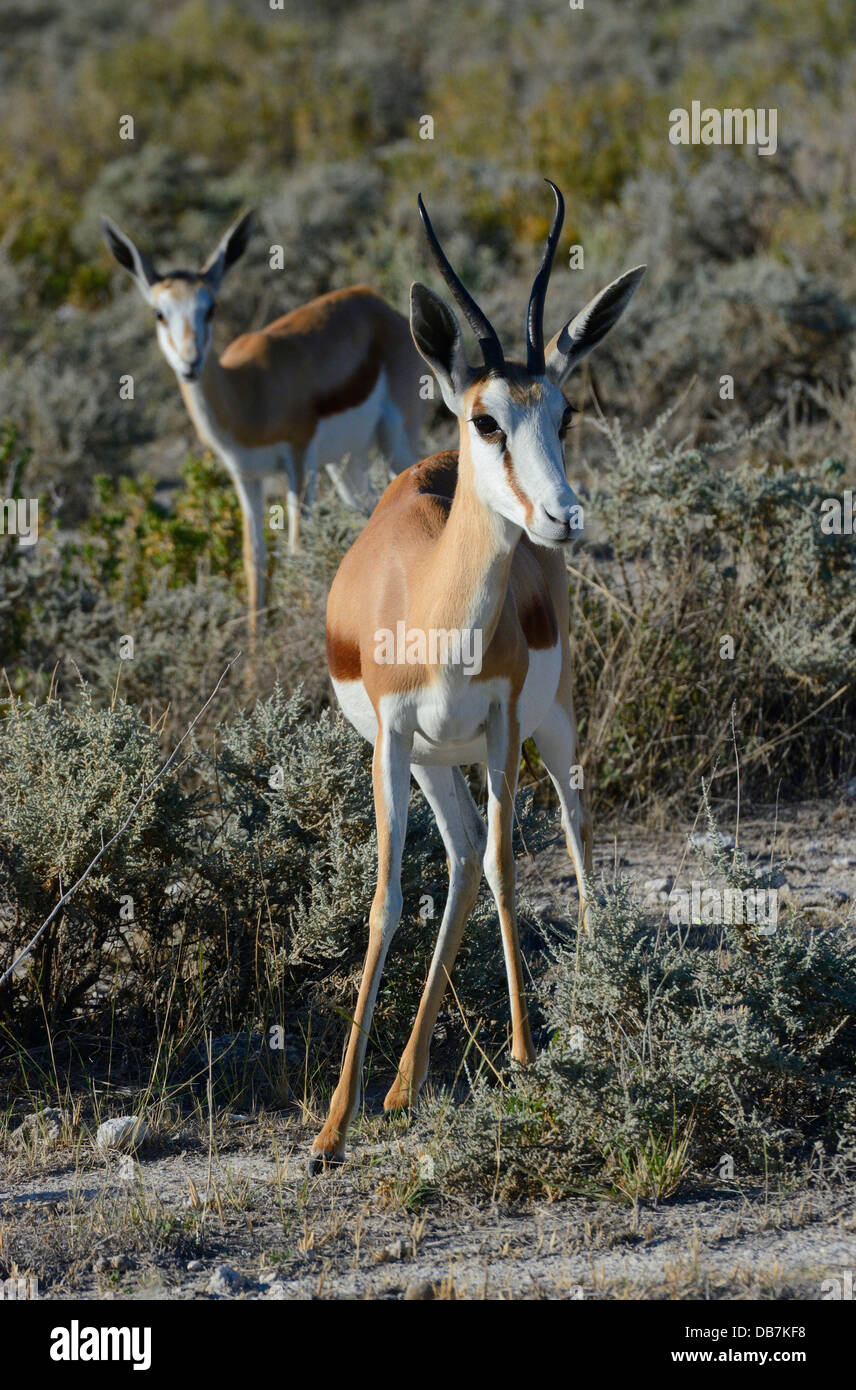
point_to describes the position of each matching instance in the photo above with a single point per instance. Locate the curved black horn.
(482, 327)
(535, 312)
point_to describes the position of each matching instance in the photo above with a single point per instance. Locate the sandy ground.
(100, 1232)
(162, 1224)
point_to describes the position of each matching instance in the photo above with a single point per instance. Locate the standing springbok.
(327, 380)
(465, 543)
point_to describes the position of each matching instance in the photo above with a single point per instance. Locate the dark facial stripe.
(517, 490)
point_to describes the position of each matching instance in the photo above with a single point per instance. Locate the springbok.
(470, 541)
(327, 380)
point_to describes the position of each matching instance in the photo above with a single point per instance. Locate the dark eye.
(209, 312)
(486, 425)
(159, 316)
(567, 420)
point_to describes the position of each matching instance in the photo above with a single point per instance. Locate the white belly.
(349, 432)
(447, 724)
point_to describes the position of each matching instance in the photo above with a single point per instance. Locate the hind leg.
(556, 741)
(393, 440)
(464, 836)
(293, 470)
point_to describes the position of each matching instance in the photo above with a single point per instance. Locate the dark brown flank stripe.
(354, 391)
(538, 621)
(343, 658)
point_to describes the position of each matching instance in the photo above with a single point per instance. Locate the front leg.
(391, 784)
(503, 764)
(294, 473)
(250, 490)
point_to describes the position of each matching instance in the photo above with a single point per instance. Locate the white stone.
(125, 1132)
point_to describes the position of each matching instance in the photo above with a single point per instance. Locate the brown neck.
(230, 399)
(468, 575)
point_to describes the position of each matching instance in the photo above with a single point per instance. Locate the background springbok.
(466, 541)
(327, 380)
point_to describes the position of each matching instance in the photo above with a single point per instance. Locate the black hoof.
(318, 1163)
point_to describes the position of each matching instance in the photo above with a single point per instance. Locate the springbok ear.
(438, 339)
(229, 249)
(590, 325)
(129, 257)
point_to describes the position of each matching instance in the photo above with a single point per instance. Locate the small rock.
(712, 844)
(845, 862)
(44, 1126)
(225, 1281)
(125, 1132)
(657, 890)
(193, 1266)
(232, 1117)
(420, 1289)
(277, 1291)
(121, 1262)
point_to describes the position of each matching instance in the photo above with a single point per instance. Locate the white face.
(516, 434)
(183, 310)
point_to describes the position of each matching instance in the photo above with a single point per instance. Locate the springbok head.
(183, 300)
(513, 418)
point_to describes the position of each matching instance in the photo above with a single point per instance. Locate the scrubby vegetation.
(713, 619)
(236, 900)
(676, 1057)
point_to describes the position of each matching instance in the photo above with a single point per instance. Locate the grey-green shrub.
(723, 1040)
(250, 873)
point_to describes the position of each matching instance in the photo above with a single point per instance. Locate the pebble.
(105, 1263)
(225, 1281)
(658, 885)
(711, 844)
(421, 1289)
